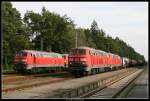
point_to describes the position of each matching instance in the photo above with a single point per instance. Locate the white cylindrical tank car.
(125, 62)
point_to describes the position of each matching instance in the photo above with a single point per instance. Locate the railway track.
(84, 87)
(23, 82)
(19, 77)
(103, 88)
(113, 88)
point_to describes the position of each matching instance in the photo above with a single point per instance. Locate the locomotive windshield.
(22, 53)
(78, 51)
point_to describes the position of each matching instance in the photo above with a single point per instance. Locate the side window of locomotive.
(38, 54)
(49, 55)
(97, 53)
(22, 53)
(44, 55)
(81, 52)
(52, 55)
(41, 55)
(73, 52)
(93, 53)
(90, 52)
(56, 56)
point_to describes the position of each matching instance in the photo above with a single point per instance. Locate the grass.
(7, 70)
(146, 70)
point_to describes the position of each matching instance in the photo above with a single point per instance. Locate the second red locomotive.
(85, 60)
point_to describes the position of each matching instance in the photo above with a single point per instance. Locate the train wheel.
(105, 69)
(33, 70)
(92, 72)
(99, 70)
(29, 71)
(95, 70)
(76, 76)
(85, 73)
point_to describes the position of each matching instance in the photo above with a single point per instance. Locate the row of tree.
(49, 31)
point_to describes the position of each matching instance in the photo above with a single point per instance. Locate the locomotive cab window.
(81, 51)
(21, 53)
(72, 52)
(78, 51)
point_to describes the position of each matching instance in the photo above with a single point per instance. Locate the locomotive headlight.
(24, 60)
(83, 59)
(83, 62)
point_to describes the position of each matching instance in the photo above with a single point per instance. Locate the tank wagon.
(132, 63)
(125, 62)
(140, 63)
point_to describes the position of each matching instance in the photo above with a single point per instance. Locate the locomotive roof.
(65, 54)
(84, 48)
(34, 51)
(97, 50)
(89, 49)
(92, 49)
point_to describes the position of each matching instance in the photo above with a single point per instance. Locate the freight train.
(80, 61)
(36, 61)
(85, 61)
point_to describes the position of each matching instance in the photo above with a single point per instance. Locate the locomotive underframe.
(22, 68)
(78, 68)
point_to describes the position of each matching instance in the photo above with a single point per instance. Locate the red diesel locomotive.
(36, 61)
(85, 60)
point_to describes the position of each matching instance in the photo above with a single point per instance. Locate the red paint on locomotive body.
(29, 59)
(83, 59)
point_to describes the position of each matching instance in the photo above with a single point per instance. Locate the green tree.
(88, 39)
(57, 32)
(14, 36)
(98, 36)
(81, 37)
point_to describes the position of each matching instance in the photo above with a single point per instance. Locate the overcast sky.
(127, 20)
